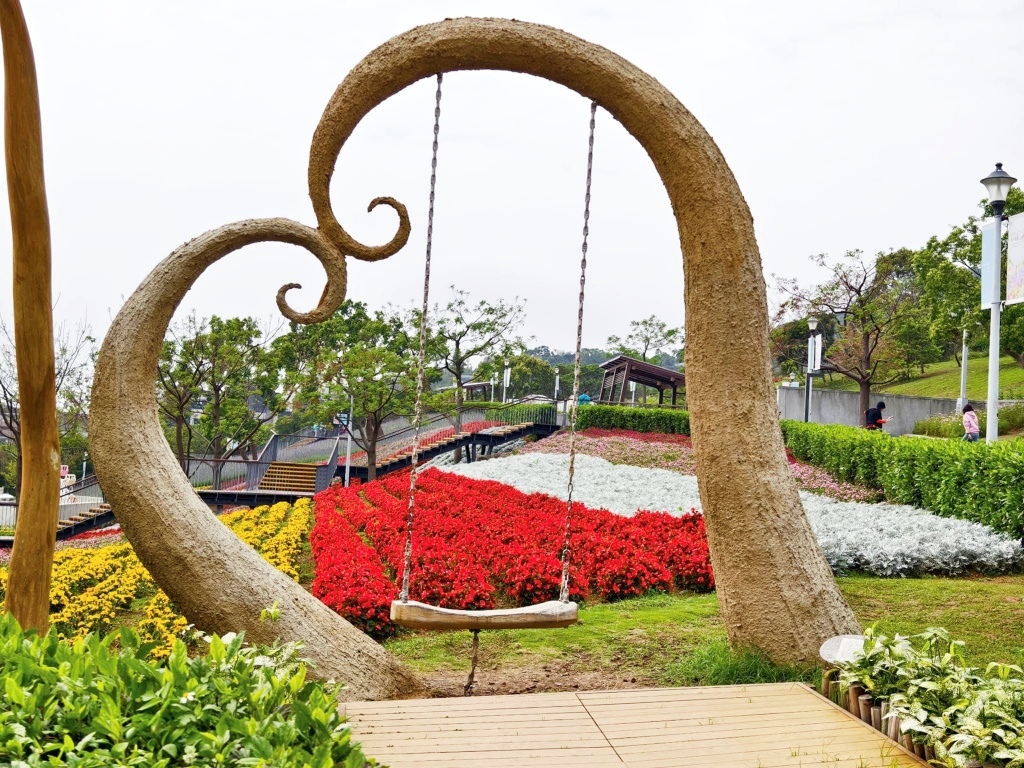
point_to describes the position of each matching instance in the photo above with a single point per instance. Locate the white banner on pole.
(817, 352)
(991, 263)
(1015, 260)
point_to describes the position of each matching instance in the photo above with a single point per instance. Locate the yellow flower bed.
(93, 588)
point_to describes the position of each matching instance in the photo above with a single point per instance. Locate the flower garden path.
(760, 726)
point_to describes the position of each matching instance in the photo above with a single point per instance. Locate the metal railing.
(78, 497)
(325, 472)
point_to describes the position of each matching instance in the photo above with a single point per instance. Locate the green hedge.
(669, 420)
(972, 481)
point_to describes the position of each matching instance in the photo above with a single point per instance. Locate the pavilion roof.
(646, 373)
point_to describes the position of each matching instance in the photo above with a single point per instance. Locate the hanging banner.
(1015, 261)
(991, 261)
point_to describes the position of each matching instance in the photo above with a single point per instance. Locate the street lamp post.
(963, 375)
(997, 184)
(812, 325)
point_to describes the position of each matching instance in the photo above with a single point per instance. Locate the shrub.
(967, 716)
(104, 701)
(971, 481)
(668, 420)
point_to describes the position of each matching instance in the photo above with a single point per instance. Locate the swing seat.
(549, 615)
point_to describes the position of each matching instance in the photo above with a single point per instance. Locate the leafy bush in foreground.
(968, 717)
(88, 704)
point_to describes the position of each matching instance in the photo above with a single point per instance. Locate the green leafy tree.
(73, 364)
(947, 270)
(529, 375)
(181, 376)
(868, 300)
(647, 339)
(381, 384)
(219, 384)
(366, 361)
(461, 332)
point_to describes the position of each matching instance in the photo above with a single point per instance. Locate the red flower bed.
(479, 543)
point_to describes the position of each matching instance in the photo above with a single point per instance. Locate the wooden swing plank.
(549, 615)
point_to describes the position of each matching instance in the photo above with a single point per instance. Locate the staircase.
(427, 451)
(286, 476)
(83, 517)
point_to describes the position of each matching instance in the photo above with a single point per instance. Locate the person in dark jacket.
(873, 417)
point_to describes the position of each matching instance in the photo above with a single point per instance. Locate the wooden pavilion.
(621, 370)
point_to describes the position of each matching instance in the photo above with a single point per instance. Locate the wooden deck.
(760, 726)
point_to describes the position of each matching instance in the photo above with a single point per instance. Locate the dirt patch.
(555, 676)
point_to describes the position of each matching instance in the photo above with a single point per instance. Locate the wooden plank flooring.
(755, 726)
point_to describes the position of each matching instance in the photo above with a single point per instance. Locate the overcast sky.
(848, 125)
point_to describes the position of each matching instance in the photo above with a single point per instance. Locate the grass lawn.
(680, 639)
(943, 380)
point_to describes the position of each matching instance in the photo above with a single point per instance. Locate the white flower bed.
(881, 539)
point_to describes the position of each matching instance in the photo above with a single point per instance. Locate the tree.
(380, 383)
(28, 576)
(529, 375)
(647, 338)
(72, 365)
(462, 332)
(358, 358)
(947, 271)
(181, 376)
(224, 371)
(868, 301)
(588, 356)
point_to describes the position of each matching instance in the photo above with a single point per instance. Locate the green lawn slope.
(943, 380)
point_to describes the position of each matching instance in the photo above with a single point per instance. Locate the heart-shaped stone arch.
(775, 587)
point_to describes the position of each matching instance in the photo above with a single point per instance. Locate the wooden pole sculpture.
(776, 590)
(28, 581)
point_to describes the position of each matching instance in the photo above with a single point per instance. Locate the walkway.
(760, 726)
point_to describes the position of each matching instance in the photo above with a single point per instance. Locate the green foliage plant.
(673, 421)
(972, 481)
(968, 718)
(101, 702)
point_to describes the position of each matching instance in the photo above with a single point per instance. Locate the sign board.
(991, 263)
(814, 344)
(63, 470)
(1015, 260)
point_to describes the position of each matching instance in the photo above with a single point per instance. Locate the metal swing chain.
(566, 550)
(403, 595)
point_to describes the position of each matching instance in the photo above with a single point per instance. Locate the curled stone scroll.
(775, 588)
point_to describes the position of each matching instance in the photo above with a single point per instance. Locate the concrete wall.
(832, 406)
